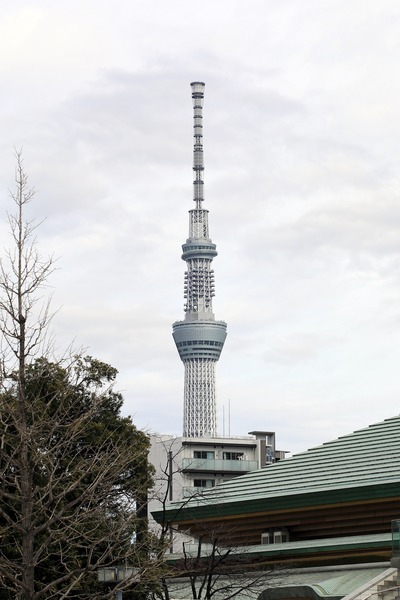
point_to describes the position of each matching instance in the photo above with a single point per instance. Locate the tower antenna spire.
(199, 338)
(198, 160)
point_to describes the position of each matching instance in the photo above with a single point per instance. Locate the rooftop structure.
(199, 338)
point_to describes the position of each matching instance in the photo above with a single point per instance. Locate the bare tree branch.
(74, 472)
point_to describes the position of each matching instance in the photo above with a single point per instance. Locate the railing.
(365, 593)
(391, 589)
(220, 439)
(218, 465)
(381, 592)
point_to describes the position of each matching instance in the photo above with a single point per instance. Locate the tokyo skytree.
(199, 338)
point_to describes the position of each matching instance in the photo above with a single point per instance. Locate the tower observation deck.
(199, 338)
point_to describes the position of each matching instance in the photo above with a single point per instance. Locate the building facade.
(191, 466)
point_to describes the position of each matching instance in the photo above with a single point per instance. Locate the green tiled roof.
(366, 461)
(329, 584)
(317, 546)
(376, 540)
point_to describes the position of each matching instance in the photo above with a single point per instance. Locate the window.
(278, 535)
(281, 537)
(265, 539)
(269, 457)
(204, 483)
(233, 456)
(204, 454)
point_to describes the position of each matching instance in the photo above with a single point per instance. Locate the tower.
(199, 338)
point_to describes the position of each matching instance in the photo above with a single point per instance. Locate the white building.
(186, 466)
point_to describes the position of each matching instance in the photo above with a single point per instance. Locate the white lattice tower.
(199, 338)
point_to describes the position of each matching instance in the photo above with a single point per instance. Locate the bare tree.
(215, 571)
(23, 274)
(73, 471)
(209, 569)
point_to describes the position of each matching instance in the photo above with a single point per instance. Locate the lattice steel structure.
(199, 338)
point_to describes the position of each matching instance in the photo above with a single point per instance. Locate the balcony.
(192, 465)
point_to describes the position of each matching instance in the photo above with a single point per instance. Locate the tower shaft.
(199, 338)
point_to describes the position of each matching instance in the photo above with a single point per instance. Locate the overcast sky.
(302, 181)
